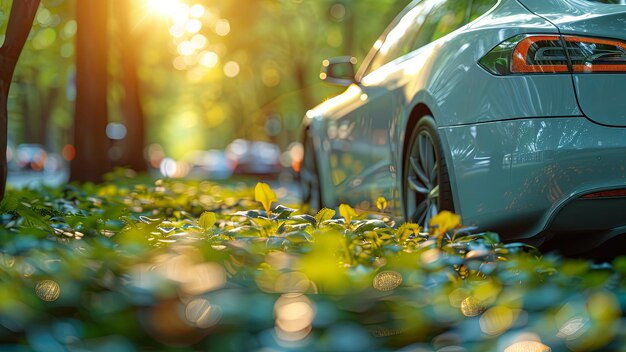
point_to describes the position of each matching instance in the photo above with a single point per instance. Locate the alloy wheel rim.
(422, 181)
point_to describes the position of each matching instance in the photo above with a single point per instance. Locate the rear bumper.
(525, 176)
(583, 215)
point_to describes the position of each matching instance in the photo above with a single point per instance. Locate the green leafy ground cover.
(193, 265)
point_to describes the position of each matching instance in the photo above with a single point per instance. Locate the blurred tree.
(91, 113)
(247, 74)
(285, 59)
(132, 111)
(20, 22)
(39, 105)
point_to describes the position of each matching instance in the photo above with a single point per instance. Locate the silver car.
(511, 113)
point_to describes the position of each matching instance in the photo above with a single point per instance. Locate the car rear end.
(589, 182)
(538, 144)
(594, 32)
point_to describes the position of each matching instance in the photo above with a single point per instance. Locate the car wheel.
(309, 177)
(426, 182)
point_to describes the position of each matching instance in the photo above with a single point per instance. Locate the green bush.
(175, 265)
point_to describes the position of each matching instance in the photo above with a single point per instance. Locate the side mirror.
(339, 70)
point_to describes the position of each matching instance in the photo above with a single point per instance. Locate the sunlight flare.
(164, 7)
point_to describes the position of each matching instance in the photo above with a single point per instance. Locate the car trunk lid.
(601, 94)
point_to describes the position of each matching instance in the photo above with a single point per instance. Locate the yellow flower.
(444, 221)
(381, 203)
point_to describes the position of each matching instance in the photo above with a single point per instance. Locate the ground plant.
(175, 265)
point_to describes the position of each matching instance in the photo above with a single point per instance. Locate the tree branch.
(20, 22)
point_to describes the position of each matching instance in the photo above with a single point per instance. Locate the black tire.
(309, 177)
(426, 183)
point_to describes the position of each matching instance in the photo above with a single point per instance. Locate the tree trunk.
(91, 112)
(28, 132)
(134, 143)
(46, 106)
(20, 23)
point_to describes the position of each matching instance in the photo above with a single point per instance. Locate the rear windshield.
(618, 2)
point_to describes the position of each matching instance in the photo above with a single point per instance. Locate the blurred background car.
(212, 164)
(254, 157)
(30, 157)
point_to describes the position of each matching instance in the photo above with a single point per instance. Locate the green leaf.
(406, 230)
(263, 223)
(305, 218)
(276, 243)
(324, 214)
(299, 237)
(9, 203)
(370, 225)
(620, 265)
(283, 212)
(147, 220)
(491, 238)
(207, 220)
(251, 214)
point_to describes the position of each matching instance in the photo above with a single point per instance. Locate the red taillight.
(525, 54)
(606, 194)
(541, 53)
(596, 55)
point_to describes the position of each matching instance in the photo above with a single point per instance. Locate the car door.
(370, 170)
(359, 135)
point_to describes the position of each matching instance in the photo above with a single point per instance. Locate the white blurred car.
(209, 163)
(30, 157)
(253, 157)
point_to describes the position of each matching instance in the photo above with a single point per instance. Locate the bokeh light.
(496, 320)
(209, 59)
(292, 282)
(471, 307)
(48, 290)
(338, 11)
(186, 48)
(164, 7)
(116, 130)
(528, 346)
(202, 278)
(202, 313)
(197, 10)
(572, 328)
(222, 27)
(231, 69)
(68, 152)
(387, 280)
(177, 31)
(294, 316)
(199, 41)
(193, 26)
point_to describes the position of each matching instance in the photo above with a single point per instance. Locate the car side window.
(480, 7)
(399, 39)
(444, 18)
(425, 22)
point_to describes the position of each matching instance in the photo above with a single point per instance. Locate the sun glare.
(164, 7)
